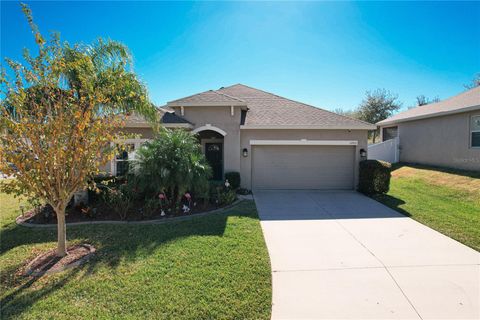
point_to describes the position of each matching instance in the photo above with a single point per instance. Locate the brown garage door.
(303, 167)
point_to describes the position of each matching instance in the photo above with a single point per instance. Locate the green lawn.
(213, 267)
(445, 200)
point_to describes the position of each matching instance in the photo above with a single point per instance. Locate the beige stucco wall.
(439, 141)
(236, 139)
(220, 117)
(247, 135)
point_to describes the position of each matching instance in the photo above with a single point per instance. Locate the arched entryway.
(212, 147)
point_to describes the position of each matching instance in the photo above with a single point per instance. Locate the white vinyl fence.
(386, 151)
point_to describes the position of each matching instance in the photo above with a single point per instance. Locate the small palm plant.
(172, 164)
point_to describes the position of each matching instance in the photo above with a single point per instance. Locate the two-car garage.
(303, 165)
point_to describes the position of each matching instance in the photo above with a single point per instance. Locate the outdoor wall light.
(363, 153)
(245, 152)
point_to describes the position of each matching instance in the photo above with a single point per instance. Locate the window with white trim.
(122, 157)
(125, 153)
(475, 132)
(390, 133)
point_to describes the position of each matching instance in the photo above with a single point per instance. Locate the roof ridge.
(244, 85)
(192, 95)
(302, 103)
(228, 96)
(207, 91)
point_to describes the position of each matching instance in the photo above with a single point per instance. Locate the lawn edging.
(19, 221)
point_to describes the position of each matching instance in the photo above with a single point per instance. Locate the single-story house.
(445, 133)
(273, 142)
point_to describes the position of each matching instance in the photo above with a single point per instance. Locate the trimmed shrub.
(374, 177)
(234, 179)
(226, 197)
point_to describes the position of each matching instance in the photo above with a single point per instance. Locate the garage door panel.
(303, 167)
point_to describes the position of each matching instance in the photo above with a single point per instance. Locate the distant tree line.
(474, 83)
(379, 104)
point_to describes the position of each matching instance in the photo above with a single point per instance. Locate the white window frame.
(137, 144)
(472, 131)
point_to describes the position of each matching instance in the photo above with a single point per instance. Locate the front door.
(214, 155)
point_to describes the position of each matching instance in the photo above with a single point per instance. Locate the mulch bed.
(100, 212)
(48, 262)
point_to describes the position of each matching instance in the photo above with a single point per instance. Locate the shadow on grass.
(17, 301)
(391, 202)
(114, 244)
(465, 173)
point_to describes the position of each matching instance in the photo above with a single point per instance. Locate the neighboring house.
(272, 141)
(446, 133)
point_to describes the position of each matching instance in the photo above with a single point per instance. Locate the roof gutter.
(387, 122)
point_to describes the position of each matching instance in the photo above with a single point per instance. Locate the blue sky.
(323, 53)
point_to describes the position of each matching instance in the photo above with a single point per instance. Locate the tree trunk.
(374, 135)
(61, 232)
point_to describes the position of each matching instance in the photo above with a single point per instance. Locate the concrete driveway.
(341, 255)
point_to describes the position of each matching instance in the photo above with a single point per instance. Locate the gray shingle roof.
(166, 115)
(135, 120)
(207, 97)
(465, 101)
(266, 109)
(169, 116)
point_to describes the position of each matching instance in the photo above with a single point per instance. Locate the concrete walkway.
(341, 255)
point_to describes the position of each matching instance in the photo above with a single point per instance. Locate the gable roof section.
(463, 102)
(170, 117)
(207, 98)
(270, 111)
(167, 117)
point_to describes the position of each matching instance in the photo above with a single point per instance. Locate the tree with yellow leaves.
(59, 113)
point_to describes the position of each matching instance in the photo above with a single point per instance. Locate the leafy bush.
(201, 192)
(226, 197)
(101, 186)
(104, 179)
(119, 201)
(220, 194)
(172, 163)
(374, 177)
(215, 187)
(234, 179)
(151, 207)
